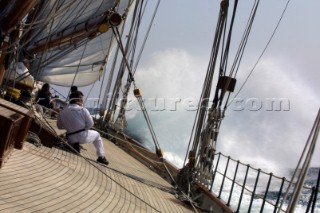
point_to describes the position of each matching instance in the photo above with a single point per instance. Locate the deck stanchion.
(224, 177)
(311, 199)
(266, 192)
(243, 187)
(233, 181)
(279, 195)
(254, 189)
(215, 170)
(316, 192)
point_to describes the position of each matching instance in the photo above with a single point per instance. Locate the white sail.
(71, 50)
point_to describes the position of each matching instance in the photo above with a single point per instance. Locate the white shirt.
(73, 118)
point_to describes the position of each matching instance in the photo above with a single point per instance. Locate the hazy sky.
(175, 60)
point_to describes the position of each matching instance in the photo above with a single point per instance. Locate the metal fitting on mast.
(114, 19)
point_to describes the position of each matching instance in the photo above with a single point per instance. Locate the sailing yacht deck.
(42, 179)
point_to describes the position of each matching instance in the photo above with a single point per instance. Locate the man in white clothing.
(77, 120)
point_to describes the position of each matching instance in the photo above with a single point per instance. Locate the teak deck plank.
(53, 180)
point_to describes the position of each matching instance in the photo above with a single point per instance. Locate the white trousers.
(89, 136)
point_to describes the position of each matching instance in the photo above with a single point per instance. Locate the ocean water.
(173, 130)
(174, 143)
(258, 147)
(255, 203)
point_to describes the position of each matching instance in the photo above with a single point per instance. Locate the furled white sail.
(64, 43)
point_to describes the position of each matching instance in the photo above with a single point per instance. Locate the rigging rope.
(146, 37)
(37, 71)
(237, 60)
(94, 164)
(205, 135)
(136, 90)
(146, 116)
(138, 94)
(108, 86)
(75, 75)
(115, 95)
(263, 51)
(206, 89)
(209, 133)
(121, 121)
(184, 195)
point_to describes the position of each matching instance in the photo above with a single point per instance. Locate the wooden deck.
(42, 179)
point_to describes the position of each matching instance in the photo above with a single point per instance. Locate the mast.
(14, 14)
(118, 82)
(90, 29)
(208, 120)
(202, 150)
(306, 155)
(121, 121)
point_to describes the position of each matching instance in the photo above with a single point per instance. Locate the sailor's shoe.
(103, 160)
